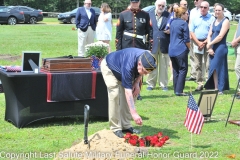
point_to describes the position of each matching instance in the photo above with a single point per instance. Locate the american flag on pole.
(194, 118)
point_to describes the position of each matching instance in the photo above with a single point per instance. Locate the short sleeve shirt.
(200, 25)
(123, 63)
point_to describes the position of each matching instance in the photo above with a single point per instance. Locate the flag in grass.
(194, 118)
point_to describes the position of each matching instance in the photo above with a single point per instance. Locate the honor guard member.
(132, 27)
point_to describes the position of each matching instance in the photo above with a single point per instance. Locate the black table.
(26, 99)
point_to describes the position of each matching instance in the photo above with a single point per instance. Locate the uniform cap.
(134, 0)
(148, 61)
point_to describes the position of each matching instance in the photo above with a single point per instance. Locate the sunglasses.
(149, 69)
(203, 7)
(196, 0)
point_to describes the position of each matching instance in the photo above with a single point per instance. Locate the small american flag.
(194, 118)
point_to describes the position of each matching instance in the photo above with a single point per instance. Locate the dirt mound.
(103, 145)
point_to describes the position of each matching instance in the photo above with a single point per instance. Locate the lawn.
(161, 111)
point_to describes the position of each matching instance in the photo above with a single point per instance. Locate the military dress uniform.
(132, 28)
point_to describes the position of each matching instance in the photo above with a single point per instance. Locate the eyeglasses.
(161, 5)
(185, 4)
(88, 3)
(186, 13)
(147, 70)
(203, 7)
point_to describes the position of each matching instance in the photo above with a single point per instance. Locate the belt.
(201, 40)
(133, 35)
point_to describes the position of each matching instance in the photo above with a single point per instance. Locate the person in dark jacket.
(179, 48)
(161, 39)
(86, 25)
(122, 72)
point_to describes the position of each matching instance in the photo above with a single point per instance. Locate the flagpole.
(191, 140)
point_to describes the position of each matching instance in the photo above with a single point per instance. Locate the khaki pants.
(84, 38)
(201, 66)
(161, 72)
(118, 111)
(193, 73)
(237, 64)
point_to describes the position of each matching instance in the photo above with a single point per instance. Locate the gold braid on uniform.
(149, 62)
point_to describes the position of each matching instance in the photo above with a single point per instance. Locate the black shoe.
(119, 133)
(199, 88)
(139, 97)
(131, 130)
(190, 79)
(181, 94)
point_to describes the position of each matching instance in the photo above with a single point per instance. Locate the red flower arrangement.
(157, 140)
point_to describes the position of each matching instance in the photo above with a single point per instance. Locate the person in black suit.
(86, 25)
(161, 40)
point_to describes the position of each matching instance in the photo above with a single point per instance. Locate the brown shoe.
(199, 88)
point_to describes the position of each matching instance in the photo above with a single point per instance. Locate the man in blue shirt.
(122, 71)
(199, 28)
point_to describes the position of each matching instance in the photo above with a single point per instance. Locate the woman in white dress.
(104, 25)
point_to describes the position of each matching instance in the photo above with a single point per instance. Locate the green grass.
(161, 111)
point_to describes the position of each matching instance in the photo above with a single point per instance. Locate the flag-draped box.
(66, 64)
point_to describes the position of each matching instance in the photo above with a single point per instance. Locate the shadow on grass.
(149, 131)
(211, 121)
(65, 121)
(202, 146)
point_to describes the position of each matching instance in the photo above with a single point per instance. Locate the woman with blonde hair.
(104, 25)
(179, 48)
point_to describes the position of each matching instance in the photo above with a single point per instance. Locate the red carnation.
(133, 142)
(148, 138)
(159, 144)
(134, 137)
(154, 142)
(127, 136)
(155, 138)
(141, 143)
(159, 134)
(162, 140)
(166, 138)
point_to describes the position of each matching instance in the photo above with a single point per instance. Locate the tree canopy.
(116, 5)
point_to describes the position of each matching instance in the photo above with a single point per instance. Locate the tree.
(116, 5)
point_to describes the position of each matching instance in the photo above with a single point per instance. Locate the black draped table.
(26, 98)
